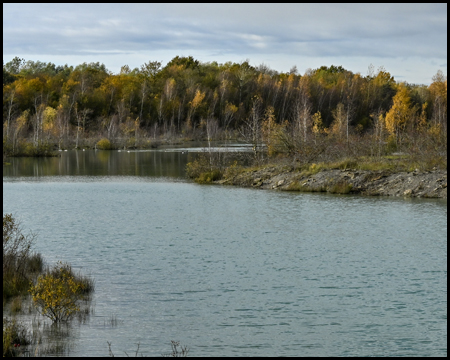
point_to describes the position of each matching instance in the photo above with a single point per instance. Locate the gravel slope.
(427, 184)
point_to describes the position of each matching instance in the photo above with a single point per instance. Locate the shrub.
(16, 305)
(200, 170)
(104, 144)
(7, 149)
(345, 164)
(182, 351)
(209, 176)
(294, 186)
(14, 335)
(32, 150)
(340, 188)
(198, 166)
(232, 171)
(308, 170)
(35, 263)
(131, 143)
(16, 251)
(57, 293)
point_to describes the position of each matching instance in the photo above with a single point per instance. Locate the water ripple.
(241, 272)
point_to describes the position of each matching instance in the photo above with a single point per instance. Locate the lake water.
(230, 271)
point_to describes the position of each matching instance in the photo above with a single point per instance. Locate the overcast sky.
(409, 40)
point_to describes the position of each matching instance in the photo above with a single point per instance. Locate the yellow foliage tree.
(339, 116)
(48, 120)
(399, 114)
(317, 124)
(383, 77)
(194, 104)
(56, 294)
(19, 124)
(198, 98)
(229, 113)
(269, 130)
(422, 123)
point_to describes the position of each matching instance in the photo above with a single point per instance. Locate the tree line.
(64, 106)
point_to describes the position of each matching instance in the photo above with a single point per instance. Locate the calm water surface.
(241, 272)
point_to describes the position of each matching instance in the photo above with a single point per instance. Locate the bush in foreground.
(20, 265)
(58, 292)
(14, 335)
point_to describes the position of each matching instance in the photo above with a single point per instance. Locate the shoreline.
(420, 184)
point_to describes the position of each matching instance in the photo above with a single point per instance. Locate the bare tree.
(302, 111)
(81, 119)
(10, 104)
(378, 129)
(212, 126)
(252, 128)
(37, 118)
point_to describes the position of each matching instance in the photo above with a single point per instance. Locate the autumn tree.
(438, 90)
(194, 105)
(399, 114)
(338, 127)
(49, 122)
(269, 130)
(317, 127)
(229, 115)
(208, 99)
(224, 90)
(18, 125)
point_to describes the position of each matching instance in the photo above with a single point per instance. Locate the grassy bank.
(201, 170)
(28, 149)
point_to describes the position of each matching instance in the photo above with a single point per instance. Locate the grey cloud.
(269, 30)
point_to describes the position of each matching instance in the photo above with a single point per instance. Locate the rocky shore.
(424, 184)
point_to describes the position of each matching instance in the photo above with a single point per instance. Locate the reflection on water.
(44, 338)
(102, 163)
(165, 162)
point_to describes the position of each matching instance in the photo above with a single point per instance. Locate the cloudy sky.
(409, 40)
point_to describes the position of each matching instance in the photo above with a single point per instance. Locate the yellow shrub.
(104, 144)
(56, 294)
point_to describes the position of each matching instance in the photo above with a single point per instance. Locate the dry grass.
(340, 188)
